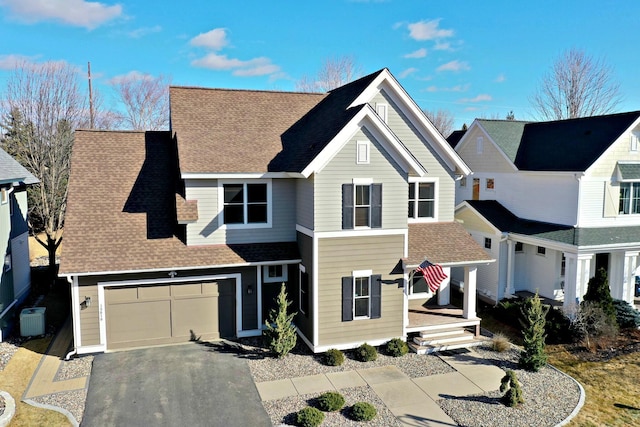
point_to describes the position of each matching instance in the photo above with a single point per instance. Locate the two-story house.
(553, 202)
(15, 272)
(186, 234)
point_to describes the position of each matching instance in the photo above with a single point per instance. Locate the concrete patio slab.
(272, 390)
(346, 379)
(400, 393)
(450, 384)
(383, 374)
(426, 414)
(312, 384)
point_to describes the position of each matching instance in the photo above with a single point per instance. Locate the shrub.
(309, 417)
(626, 315)
(558, 327)
(334, 357)
(281, 334)
(598, 292)
(591, 324)
(363, 411)
(397, 347)
(500, 343)
(510, 384)
(366, 353)
(533, 357)
(331, 401)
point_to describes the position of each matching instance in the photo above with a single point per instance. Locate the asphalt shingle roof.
(121, 213)
(506, 134)
(12, 171)
(629, 171)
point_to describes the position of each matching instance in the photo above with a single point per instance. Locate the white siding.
(540, 273)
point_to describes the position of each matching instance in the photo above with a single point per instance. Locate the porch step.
(428, 349)
(440, 338)
(442, 333)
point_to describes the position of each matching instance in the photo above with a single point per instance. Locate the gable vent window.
(487, 243)
(635, 136)
(479, 144)
(362, 152)
(382, 110)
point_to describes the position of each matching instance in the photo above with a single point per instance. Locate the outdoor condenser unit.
(32, 321)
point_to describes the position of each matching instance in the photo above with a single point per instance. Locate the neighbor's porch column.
(629, 281)
(570, 282)
(444, 292)
(584, 274)
(469, 306)
(511, 253)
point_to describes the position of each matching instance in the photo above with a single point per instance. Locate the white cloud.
(457, 88)
(130, 76)
(442, 46)
(407, 72)
(79, 13)
(141, 32)
(501, 78)
(9, 62)
(420, 53)
(480, 98)
(428, 30)
(252, 67)
(454, 65)
(215, 39)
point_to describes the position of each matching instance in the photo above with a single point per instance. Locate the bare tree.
(442, 119)
(334, 73)
(577, 85)
(43, 104)
(146, 101)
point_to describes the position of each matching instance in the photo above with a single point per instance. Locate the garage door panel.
(141, 321)
(188, 289)
(123, 294)
(195, 314)
(210, 288)
(153, 292)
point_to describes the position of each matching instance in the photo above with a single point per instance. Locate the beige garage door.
(163, 314)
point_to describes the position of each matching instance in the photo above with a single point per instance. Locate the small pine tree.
(598, 292)
(510, 384)
(280, 330)
(533, 357)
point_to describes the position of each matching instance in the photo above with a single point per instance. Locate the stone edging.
(581, 400)
(63, 411)
(9, 409)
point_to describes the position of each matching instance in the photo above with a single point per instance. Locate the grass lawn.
(612, 384)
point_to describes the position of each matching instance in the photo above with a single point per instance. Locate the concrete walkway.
(412, 401)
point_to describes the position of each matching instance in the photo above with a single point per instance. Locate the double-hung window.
(361, 205)
(361, 296)
(422, 200)
(629, 198)
(245, 203)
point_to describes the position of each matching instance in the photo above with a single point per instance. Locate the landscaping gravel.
(72, 401)
(80, 366)
(7, 350)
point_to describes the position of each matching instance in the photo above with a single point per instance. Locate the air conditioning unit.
(32, 321)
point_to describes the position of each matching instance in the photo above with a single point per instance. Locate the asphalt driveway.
(188, 385)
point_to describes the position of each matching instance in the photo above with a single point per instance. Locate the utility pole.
(91, 113)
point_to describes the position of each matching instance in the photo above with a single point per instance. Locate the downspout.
(505, 237)
(75, 349)
(577, 177)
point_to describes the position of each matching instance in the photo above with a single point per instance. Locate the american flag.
(432, 273)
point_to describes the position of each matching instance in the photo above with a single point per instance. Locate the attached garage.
(155, 314)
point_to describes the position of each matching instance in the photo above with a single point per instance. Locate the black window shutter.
(376, 296)
(376, 205)
(347, 206)
(347, 299)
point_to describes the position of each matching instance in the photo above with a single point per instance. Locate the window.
(274, 273)
(519, 247)
(563, 265)
(479, 144)
(463, 181)
(362, 155)
(634, 142)
(361, 296)
(487, 243)
(304, 290)
(422, 199)
(382, 110)
(490, 184)
(245, 203)
(361, 205)
(541, 250)
(629, 198)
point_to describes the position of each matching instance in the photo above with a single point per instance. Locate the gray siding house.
(15, 272)
(340, 195)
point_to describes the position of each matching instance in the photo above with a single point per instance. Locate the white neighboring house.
(15, 273)
(553, 202)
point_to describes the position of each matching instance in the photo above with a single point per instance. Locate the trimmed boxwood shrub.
(331, 401)
(626, 315)
(366, 353)
(309, 417)
(334, 357)
(397, 347)
(363, 411)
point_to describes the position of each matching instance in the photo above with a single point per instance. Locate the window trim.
(521, 248)
(631, 185)
(382, 109)
(634, 142)
(415, 181)
(246, 225)
(367, 159)
(541, 250)
(361, 274)
(493, 184)
(487, 242)
(265, 274)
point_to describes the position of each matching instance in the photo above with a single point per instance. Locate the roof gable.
(506, 134)
(12, 171)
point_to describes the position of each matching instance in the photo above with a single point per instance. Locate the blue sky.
(473, 58)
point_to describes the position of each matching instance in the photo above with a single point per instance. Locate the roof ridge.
(220, 89)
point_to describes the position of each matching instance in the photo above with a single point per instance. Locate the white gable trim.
(466, 138)
(465, 205)
(369, 119)
(409, 108)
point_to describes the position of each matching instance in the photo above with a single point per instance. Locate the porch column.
(629, 280)
(584, 274)
(511, 253)
(444, 292)
(570, 282)
(469, 306)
